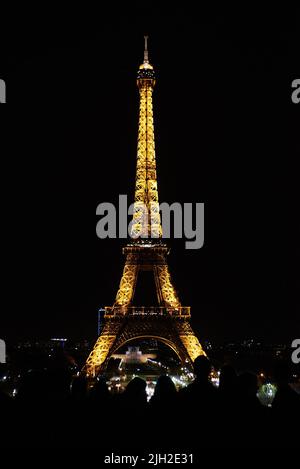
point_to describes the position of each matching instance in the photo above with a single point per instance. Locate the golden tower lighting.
(124, 321)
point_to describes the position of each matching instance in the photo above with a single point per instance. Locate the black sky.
(227, 134)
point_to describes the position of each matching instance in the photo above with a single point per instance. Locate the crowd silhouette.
(51, 411)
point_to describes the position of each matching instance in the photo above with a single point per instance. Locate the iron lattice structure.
(170, 322)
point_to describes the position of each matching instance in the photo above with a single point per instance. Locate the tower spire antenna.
(146, 58)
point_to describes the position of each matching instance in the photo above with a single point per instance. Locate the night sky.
(227, 134)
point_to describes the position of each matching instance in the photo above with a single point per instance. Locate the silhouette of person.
(100, 393)
(201, 391)
(163, 412)
(285, 408)
(132, 406)
(252, 418)
(135, 395)
(165, 393)
(79, 389)
(7, 418)
(286, 400)
(248, 387)
(199, 400)
(227, 392)
(228, 381)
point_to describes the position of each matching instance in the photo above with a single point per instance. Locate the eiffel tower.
(169, 321)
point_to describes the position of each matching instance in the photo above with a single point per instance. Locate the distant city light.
(150, 389)
(266, 394)
(215, 378)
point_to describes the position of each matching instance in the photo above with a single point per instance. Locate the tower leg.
(101, 350)
(127, 285)
(189, 341)
(167, 289)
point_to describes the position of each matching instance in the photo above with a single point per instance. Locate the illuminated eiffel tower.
(124, 322)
